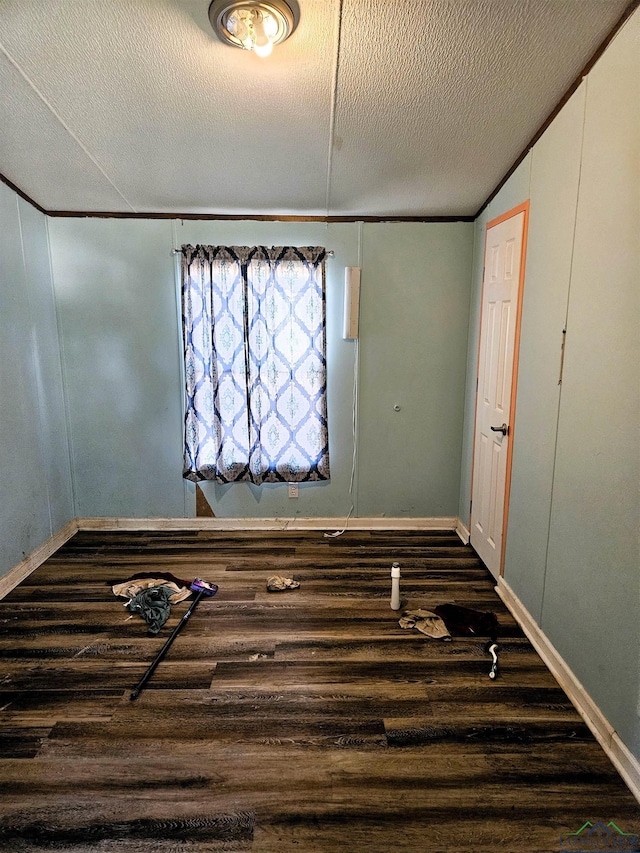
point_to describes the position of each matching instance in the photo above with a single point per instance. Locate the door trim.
(521, 208)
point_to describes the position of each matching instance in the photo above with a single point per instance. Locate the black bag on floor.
(467, 622)
(472, 623)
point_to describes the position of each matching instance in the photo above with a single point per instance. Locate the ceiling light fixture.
(252, 24)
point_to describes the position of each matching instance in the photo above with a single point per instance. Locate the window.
(255, 365)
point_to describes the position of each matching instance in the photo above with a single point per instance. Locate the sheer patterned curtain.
(255, 366)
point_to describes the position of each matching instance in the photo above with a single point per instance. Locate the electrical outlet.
(293, 490)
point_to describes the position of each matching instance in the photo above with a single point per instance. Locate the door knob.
(504, 429)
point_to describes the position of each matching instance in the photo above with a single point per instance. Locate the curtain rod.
(179, 252)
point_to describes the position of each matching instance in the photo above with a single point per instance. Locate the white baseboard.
(31, 562)
(418, 524)
(463, 531)
(621, 757)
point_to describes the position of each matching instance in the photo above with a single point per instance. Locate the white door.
(494, 407)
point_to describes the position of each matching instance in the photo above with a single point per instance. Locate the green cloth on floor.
(153, 605)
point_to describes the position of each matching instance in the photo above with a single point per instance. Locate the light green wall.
(572, 548)
(592, 588)
(555, 171)
(414, 319)
(35, 481)
(117, 297)
(114, 286)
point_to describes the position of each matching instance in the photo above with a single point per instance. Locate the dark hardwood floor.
(306, 720)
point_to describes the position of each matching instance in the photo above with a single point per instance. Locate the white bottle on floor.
(395, 586)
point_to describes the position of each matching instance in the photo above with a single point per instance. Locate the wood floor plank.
(84, 674)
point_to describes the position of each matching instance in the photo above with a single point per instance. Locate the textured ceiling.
(371, 108)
